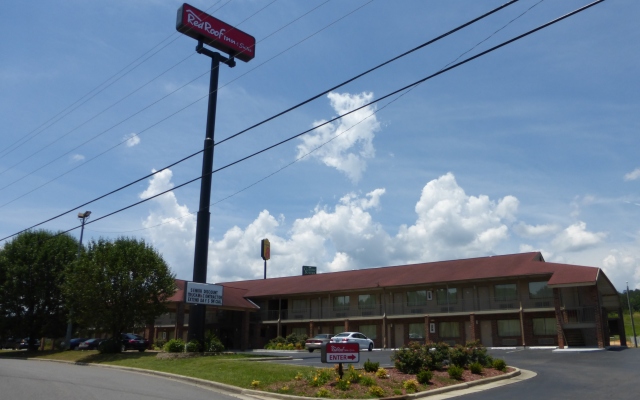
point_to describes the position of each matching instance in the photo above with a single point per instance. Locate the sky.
(532, 147)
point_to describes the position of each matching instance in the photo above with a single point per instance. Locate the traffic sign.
(340, 353)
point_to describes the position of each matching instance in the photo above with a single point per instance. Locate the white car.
(353, 337)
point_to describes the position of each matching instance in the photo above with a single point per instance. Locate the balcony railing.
(579, 315)
(430, 307)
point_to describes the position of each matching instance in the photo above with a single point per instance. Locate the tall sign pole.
(265, 253)
(213, 32)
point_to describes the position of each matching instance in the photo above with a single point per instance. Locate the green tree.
(118, 285)
(31, 274)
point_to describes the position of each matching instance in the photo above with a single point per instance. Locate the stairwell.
(574, 337)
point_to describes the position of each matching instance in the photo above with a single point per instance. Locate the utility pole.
(633, 326)
(67, 339)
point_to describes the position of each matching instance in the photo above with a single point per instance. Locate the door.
(486, 336)
(399, 335)
(483, 298)
(467, 331)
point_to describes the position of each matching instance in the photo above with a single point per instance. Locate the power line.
(26, 138)
(554, 21)
(256, 125)
(163, 119)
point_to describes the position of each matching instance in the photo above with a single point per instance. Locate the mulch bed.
(392, 386)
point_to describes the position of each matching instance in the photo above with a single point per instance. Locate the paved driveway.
(560, 375)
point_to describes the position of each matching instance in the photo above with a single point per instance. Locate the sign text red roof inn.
(215, 33)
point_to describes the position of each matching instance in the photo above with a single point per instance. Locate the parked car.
(10, 343)
(90, 344)
(24, 343)
(317, 341)
(131, 341)
(353, 337)
(75, 342)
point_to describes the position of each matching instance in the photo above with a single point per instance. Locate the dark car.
(10, 343)
(75, 342)
(24, 343)
(131, 341)
(90, 344)
(317, 341)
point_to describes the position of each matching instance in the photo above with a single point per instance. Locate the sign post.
(237, 44)
(340, 353)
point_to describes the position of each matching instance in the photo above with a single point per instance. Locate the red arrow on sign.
(351, 357)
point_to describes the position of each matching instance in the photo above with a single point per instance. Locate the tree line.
(634, 299)
(109, 286)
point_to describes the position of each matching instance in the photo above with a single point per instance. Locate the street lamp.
(67, 339)
(633, 327)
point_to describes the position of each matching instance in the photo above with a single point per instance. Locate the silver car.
(353, 337)
(317, 341)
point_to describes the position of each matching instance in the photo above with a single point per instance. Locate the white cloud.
(350, 139)
(621, 267)
(633, 175)
(132, 139)
(576, 237)
(532, 231)
(172, 226)
(77, 158)
(451, 224)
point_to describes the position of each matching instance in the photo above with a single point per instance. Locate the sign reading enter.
(340, 353)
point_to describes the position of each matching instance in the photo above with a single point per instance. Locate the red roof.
(514, 265)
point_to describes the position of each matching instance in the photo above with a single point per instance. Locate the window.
(544, 326)
(417, 298)
(506, 292)
(299, 331)
(366, 301)
(369, 331)
(299, 304)
(416, 331)
(447, 296)
(539, 290)
(340, 303)
(508, 327)
(449, 329)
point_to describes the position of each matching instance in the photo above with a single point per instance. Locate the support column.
(311, 334)
(598, 316)
(559, 318)
(474, 328)
(346, 325)
(385, 339)
(524, 342)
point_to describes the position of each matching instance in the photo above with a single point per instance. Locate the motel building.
(509, 300)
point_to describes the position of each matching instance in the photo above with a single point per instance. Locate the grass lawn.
(627, 324)
(228, 369)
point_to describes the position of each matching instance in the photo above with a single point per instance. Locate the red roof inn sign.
(340, 353)
(215, 33)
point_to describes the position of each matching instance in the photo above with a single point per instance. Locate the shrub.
(410, 385)
(274, 343)
(193, 346)
(320, 377)
(382, 373)
(475, 368)
(455, 372)
(174, 346)
(477, 353)
(159, 343)
(212, 344)
(424, 376)
(376, 391)
(439, 355)
(460, 356)
(371, 366)
(255, 384)
(367, 380)
(323, 393)
(488, 362)
(343, 384)
(109, 346)
(410, 359)
(499, 364)
(352, 375)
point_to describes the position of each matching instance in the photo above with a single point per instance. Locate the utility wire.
(84, 99)
(162, 120)
(116, 103)
(554, 21)
(268, 119)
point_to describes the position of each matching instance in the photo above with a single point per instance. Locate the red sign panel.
(342, 353)
(202, 26)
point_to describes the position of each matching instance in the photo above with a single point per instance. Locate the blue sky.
(530, 148)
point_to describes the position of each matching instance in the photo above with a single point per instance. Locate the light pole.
(633, 326)
(67, 339)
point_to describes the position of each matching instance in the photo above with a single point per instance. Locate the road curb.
(229, 389)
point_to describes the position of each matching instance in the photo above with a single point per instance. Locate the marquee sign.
(203, 293)
(215, 33)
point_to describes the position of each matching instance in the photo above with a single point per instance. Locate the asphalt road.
(560, 375)
(34, 380)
